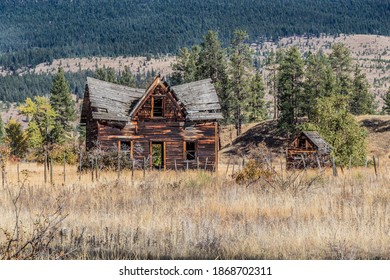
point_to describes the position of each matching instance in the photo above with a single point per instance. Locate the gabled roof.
(110, 101)
(318, 141)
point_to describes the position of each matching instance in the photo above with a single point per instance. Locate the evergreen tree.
(185, 70)
(341, 63)
(61, 101)
(386, 99)
(255, 108)
(106, 74)
(319, 81)
(290, 97)
(212, 64)
(240, 71)
(2, 131)
(361, 100)
(16, 138)
(126, 78)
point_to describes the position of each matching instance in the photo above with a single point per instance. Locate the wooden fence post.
(18, 171)
(92, 166)
(175, 166)
(80, 164)
(132, 170)
(227, 168)
(144, 167)
(64, 168)
(318, 163)
(205, 165)
(51, 171)
(96, 169)
(119, 165)
(197, 163)
(45, 167)
(334, 167)
(375, 167)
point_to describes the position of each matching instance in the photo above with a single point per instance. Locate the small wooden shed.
(171, 127)
(308, 149)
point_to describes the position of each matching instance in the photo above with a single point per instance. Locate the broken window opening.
(190, 151)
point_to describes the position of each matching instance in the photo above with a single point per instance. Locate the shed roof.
(116, 102)
(318, 141)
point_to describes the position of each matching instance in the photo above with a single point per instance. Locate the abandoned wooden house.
(308, 149)
(169, 127)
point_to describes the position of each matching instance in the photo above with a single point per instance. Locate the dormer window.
(158, 106)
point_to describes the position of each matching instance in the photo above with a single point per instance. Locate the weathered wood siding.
(173, 134)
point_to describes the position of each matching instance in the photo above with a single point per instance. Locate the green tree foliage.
(290, 89)
(126, 78)
(361, 100)
(2, 131)
(341, 62)
(61, 101)
(240, 76)
(43, 130)
(339, 128)
(185, 70)
(255, 105)
(386, 99)
(16, 138)
(319, 81)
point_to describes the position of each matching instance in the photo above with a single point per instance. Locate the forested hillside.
(32, 32)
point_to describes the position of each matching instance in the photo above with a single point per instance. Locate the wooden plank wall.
(173, 134)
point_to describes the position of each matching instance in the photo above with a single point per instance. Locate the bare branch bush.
(259, 171)
(34, 242)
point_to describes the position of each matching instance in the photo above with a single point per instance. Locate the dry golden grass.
(203, 215)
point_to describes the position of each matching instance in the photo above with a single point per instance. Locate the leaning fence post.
(205, 165)
(234, 162)
(375, 167)
(318, 163)
(227, 168)
(175, 166)
(187, 165)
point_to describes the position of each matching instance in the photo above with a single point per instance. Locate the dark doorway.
(158, 155)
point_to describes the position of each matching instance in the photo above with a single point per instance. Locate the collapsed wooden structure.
(169, 127)
(308, 149)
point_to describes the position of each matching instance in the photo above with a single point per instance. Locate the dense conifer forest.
(32, 32)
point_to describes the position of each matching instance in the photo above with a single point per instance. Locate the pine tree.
(126, 78)
(240, 71)
(185, 70)
(290, 89)
(319, 81)
(386, 99)
(61, 101)
(212, 64)
(341, 63)
(2, 131)
(361, 100)
(255, 107)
